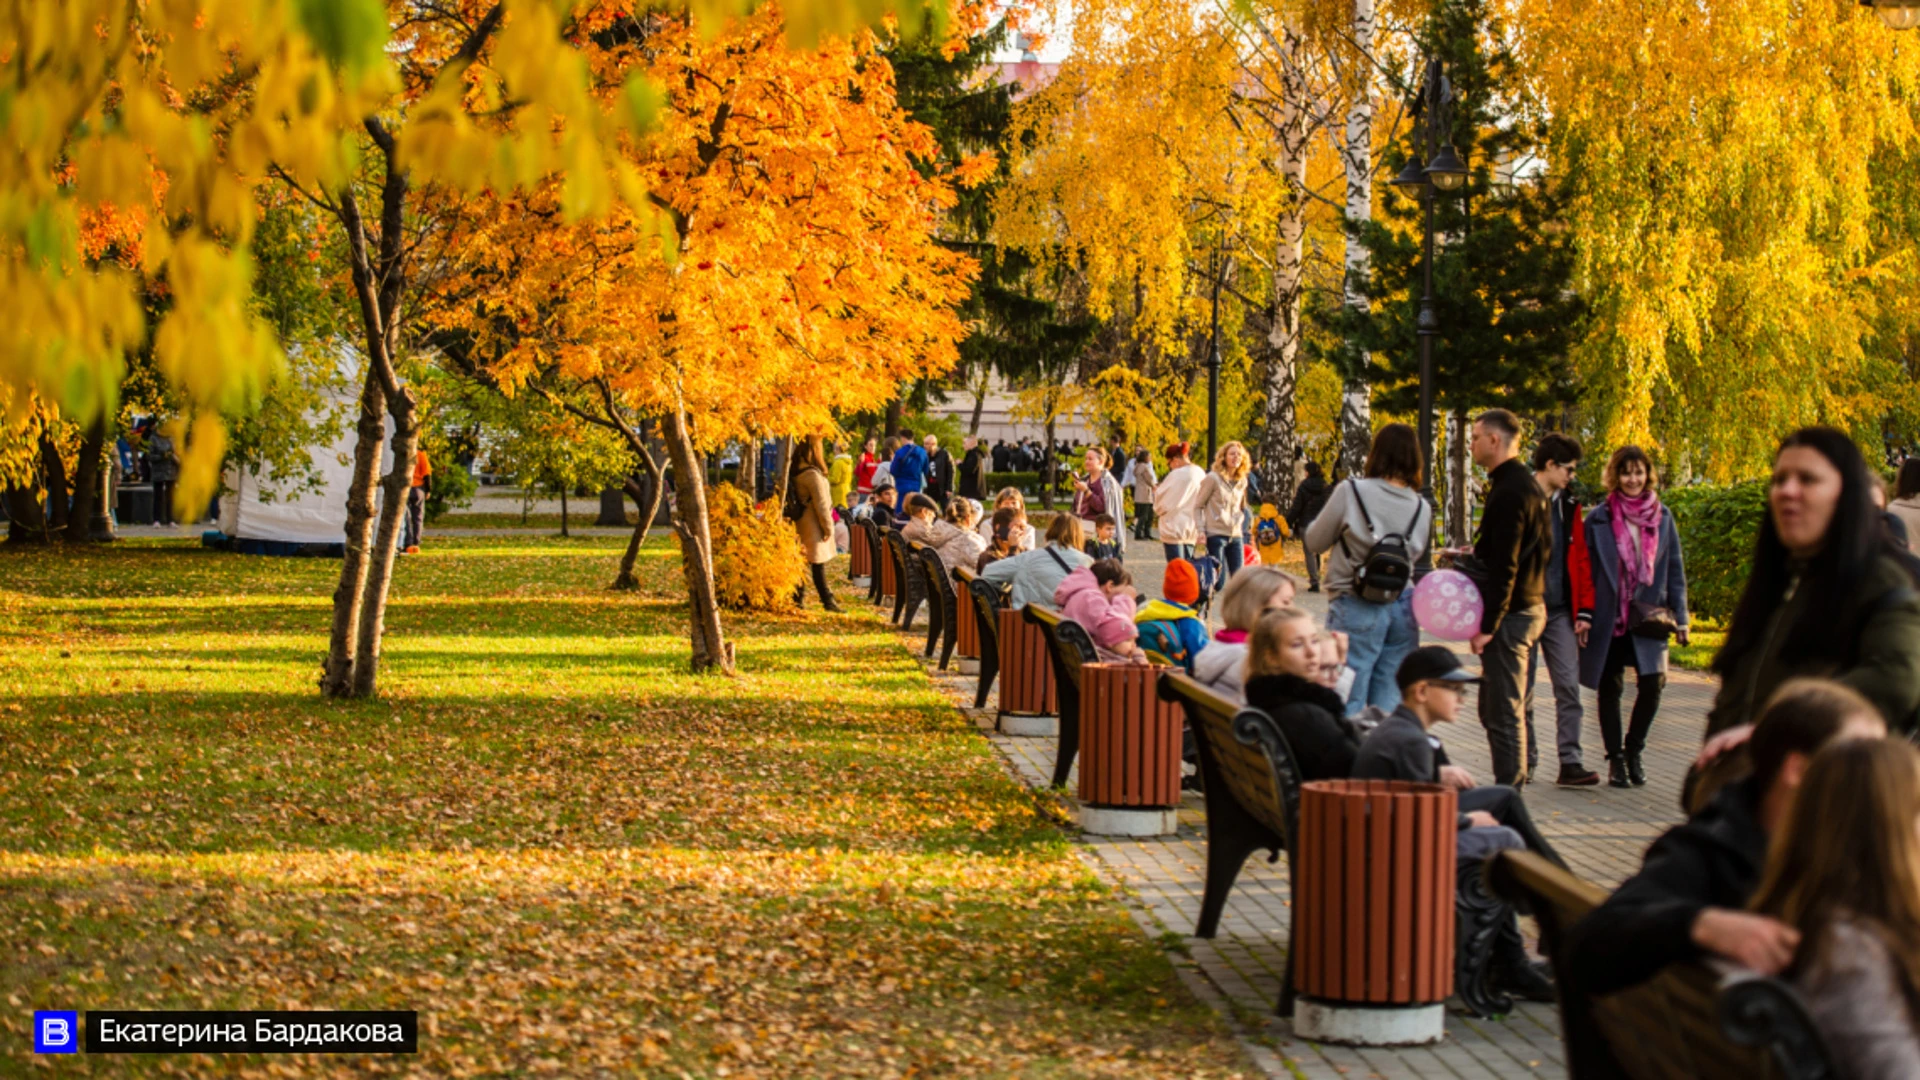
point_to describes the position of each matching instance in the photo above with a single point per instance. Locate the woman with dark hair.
(1629, 593)
(1359, 514)
(1844, 873)
(1906, 500)
(811, 507)
(1830, 593)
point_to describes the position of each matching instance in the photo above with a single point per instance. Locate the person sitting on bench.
(1492, 819)
(1690, 897)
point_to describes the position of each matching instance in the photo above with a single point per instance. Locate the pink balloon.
(1447, 605)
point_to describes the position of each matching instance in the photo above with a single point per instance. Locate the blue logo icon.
(56, 1031)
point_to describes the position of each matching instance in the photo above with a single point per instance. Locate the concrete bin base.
(969, 666)
(1128, 821)
(1028, 725)
(1361, 1025)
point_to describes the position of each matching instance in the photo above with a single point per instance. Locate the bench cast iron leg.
(1067, 700)
(1478, 917)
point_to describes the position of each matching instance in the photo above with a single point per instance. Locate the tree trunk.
(1356, 419)
(1050, 468)
(613, 506)
(979, 404)
(648, 502)
(1459, 499)
(1279, 440)
(563, 511)
(53, 473)
(336, 679)
(393, 508)
(782, 465)
(26, 517)
(87, 478)
(710, 647)
(747, 477)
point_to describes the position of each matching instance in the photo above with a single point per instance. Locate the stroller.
(1211, 579)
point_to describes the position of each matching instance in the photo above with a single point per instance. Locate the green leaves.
(350, 33)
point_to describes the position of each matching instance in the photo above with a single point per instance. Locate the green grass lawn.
(570, 854)
(1705, 640)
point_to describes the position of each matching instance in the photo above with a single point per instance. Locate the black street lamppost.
(1897, 14)
(1442, 172)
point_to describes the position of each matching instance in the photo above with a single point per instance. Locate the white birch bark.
(1356, 421)
(1280, 441)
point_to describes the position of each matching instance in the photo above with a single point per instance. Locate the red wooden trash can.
(1129, 752)
(860, 552)
(967, 642)
(1129, 738)
(1026, 671)
(1375, 906)
(889, 585)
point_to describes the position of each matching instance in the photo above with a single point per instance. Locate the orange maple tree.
(783, 268)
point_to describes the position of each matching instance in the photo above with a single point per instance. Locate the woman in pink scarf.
(1629, 581)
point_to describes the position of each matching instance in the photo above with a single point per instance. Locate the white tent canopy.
(252, 509)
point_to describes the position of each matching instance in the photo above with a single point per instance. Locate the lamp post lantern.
(1442, 172)
(1896, 14)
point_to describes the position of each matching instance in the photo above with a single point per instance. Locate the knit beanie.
(1182, 583)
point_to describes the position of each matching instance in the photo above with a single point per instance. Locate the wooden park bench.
(942, 606)
(910, 582)
(1699, 1021)
(987, 602)
(1069, 646)
(1252, 791)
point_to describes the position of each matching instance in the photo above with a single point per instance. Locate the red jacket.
(1580, 565)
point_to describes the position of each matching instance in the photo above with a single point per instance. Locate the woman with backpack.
(1629, 595)
(1373, 530)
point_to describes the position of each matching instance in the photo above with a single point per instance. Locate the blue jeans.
(1230, 552)
(1179, 551)
(1379, 636)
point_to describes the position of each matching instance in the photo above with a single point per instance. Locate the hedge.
(1717, 529)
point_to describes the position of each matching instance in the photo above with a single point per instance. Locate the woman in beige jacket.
(809, 489)
(1222, 505)
(1174, 503)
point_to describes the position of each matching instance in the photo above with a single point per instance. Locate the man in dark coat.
(1307, 503)
(973, 472)
(1512, 546)
(939, 471)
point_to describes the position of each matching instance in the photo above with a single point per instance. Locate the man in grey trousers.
(1511, 546)
(1554, 462)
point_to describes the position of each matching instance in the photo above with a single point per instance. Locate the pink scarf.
(1231, 637)
(1636, 560)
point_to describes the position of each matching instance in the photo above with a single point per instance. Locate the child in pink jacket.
(1100, 598)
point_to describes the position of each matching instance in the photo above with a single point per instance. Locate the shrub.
(449, 486)
(1717, 529)
(757, 564)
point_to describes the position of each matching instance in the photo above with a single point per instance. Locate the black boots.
(1617, 771)
(1624, 770)
(1635, 774)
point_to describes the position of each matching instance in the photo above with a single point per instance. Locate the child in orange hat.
(1170, 626)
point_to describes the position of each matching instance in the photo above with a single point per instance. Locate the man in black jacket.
(939, 471)
(1512, 546)
(1307, 503)
(1689, 898)
(973, 472)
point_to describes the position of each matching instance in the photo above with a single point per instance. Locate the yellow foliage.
(757, 563)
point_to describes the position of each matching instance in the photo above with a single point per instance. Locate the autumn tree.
(783, 270)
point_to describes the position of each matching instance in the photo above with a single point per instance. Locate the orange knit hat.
(1182, 583)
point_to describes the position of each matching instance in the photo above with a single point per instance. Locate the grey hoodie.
(1340, 529)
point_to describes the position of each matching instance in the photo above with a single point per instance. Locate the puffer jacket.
(1222, 505)
(1107, 619)
(1222, 665)
(955, 546)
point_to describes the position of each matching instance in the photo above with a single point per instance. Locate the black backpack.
(1388, 568)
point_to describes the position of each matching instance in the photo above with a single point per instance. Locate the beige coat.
(816, 517)
(1220, 504)
(1174, 505)
(1908, 511)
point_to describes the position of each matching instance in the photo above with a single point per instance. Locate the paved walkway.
(1601, 831)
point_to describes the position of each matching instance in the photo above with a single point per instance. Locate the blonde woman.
(1223, 507)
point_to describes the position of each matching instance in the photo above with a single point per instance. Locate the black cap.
(1432, 662)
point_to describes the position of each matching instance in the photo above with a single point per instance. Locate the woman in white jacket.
(1174, 503)
(951, 537)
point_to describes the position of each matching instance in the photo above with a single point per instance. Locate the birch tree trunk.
(1459, 472)
(1279, 441)
(690, 523)
(1356, 419)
